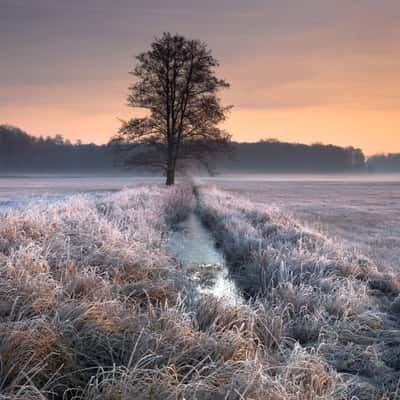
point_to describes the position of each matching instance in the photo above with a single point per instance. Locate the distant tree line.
(21, 152)
(273, 155)
(384, 163)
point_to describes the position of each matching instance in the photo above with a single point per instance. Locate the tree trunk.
(170, 164)
(170, 176)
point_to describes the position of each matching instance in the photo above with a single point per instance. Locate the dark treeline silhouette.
(384, 163)
(20, 152)
(273, 155)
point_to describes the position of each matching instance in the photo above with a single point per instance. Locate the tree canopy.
(176, 84)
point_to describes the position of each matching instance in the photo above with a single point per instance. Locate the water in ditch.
(194, 247)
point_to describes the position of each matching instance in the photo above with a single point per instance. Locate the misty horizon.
(22, 152)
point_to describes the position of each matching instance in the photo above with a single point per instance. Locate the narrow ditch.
(205, 265)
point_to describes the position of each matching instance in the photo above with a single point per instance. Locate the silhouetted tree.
(176, 83)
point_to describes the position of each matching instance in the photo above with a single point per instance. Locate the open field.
(363, 212)
(316, 292)
(18, 190)
(95, 304)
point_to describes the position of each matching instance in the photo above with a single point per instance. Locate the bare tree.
(176, 83)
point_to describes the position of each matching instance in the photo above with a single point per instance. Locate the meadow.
(363, 212)
(95, 305)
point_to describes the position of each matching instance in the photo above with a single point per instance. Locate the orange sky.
(308, 71)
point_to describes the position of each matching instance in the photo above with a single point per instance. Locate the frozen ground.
(365, 212)
(18, 190)
(92, 304)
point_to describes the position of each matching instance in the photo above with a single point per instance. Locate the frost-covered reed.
(90, 306)
(315, 292)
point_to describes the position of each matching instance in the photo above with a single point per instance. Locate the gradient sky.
(300, 70)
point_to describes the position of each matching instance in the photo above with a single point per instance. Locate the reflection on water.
(194, 247)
